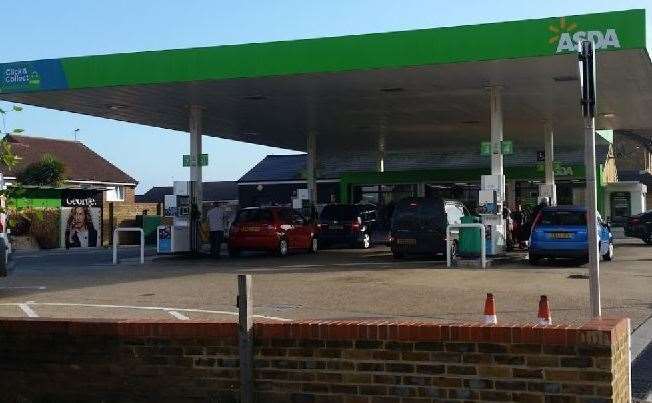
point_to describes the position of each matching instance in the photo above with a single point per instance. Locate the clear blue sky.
(50, 29)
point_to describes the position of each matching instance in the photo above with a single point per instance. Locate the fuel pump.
(491, 199)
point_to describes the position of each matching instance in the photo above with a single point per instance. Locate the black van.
(419, 225)
(348, 224)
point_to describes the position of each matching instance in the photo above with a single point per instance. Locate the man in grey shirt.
(216, 227)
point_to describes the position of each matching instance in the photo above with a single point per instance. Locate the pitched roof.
(278, 168)
(213, 191)
(635, 176)
(154, 195)
(222, 190)
(80, 162)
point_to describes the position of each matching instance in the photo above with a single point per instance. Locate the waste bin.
(469, 244)
(148, 223)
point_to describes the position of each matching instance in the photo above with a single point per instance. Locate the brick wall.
(314, 362)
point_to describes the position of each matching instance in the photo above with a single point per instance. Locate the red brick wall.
(320, 362)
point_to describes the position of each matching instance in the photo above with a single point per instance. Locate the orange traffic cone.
(544, 311)
(490, 317)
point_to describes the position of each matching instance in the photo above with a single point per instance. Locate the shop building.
(279, 179)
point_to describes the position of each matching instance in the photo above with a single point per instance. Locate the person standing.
(216, 227)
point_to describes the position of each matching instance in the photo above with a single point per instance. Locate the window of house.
(115, 193)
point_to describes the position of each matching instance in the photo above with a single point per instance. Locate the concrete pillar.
(381, 151)
(549, 163)
(195, 125)
(311, 166)
(496, 133)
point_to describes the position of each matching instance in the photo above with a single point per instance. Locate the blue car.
(560, 232)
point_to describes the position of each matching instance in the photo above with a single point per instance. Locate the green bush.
(43, 224)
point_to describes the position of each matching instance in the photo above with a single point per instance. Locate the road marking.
(38, 287)
(148, 308)
(178, 315)
(28, 311)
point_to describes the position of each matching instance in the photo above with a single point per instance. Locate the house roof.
(80, 162)
(154, 195)
(213, 191)
(636, 176)
(279, 168)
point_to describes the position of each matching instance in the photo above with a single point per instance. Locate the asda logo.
(567, 37)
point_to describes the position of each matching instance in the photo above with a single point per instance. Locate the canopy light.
(255, 97)
(608, 115)
(392, 89)
(117, 107)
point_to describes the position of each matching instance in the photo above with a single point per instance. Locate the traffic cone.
(544, 311)
(490, 317)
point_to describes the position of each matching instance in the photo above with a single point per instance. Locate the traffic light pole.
(588, 101)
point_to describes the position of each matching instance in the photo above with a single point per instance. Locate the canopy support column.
(311, 165)
(549, 189)
(196, 196)
(381, 150)
(497, 135)
(492, 190)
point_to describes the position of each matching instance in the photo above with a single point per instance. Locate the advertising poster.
(81, 219)
(164, 239)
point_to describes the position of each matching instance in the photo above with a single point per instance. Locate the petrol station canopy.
(425, 88)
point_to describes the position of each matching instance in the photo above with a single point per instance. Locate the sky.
(52, 29)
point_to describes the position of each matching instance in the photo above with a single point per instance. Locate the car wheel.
(314, 245)
(283, 247)
(610, 253)
(366, 241)
(648, 240)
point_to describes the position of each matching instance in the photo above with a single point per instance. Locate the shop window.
(115, 193)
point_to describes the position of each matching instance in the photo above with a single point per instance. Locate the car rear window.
(254, 215)
(339, 213)
(563, 218)
(409, 212)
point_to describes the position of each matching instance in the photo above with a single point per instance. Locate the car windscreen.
(339, 213)
(563, 218)
(254, 215)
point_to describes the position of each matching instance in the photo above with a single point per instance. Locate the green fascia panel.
(619, 30)
(37, 198)
(446, 175)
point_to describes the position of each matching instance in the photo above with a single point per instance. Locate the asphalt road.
(335, 284)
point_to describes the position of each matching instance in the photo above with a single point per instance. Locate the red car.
(273, 229)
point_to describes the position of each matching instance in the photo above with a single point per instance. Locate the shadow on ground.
(642, 375)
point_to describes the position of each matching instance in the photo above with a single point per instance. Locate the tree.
(7, 157)
(46, 172)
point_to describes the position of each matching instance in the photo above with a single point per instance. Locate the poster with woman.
(81, 216)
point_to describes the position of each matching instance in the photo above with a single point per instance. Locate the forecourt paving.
(335, 284)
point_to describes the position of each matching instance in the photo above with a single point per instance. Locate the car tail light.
(355, 225)
(270, 227)
(633, 220)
